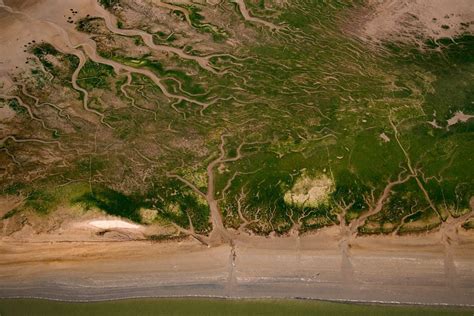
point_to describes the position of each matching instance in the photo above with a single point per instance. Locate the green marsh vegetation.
(94, 76)
(304, 100)
(56, 63)
(112, 203)
(108, 3)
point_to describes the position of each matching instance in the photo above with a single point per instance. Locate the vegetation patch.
(95, 76)
(307, 123)
(108, 3)
(112, 202)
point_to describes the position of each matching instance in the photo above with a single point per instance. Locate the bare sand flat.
(415, 19)
(378, 269)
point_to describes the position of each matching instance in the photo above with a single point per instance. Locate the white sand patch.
(107, 224)
(434, 123)
(310, 191)
(459, 117)
(384, 137)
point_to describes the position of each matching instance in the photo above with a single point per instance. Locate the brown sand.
(415, 19)
(411, 269)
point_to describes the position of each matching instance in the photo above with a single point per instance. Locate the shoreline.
(404, 271)
(233, 298)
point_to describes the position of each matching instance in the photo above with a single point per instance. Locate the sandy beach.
(407, 270)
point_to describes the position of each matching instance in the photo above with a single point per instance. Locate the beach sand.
(409, 270)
